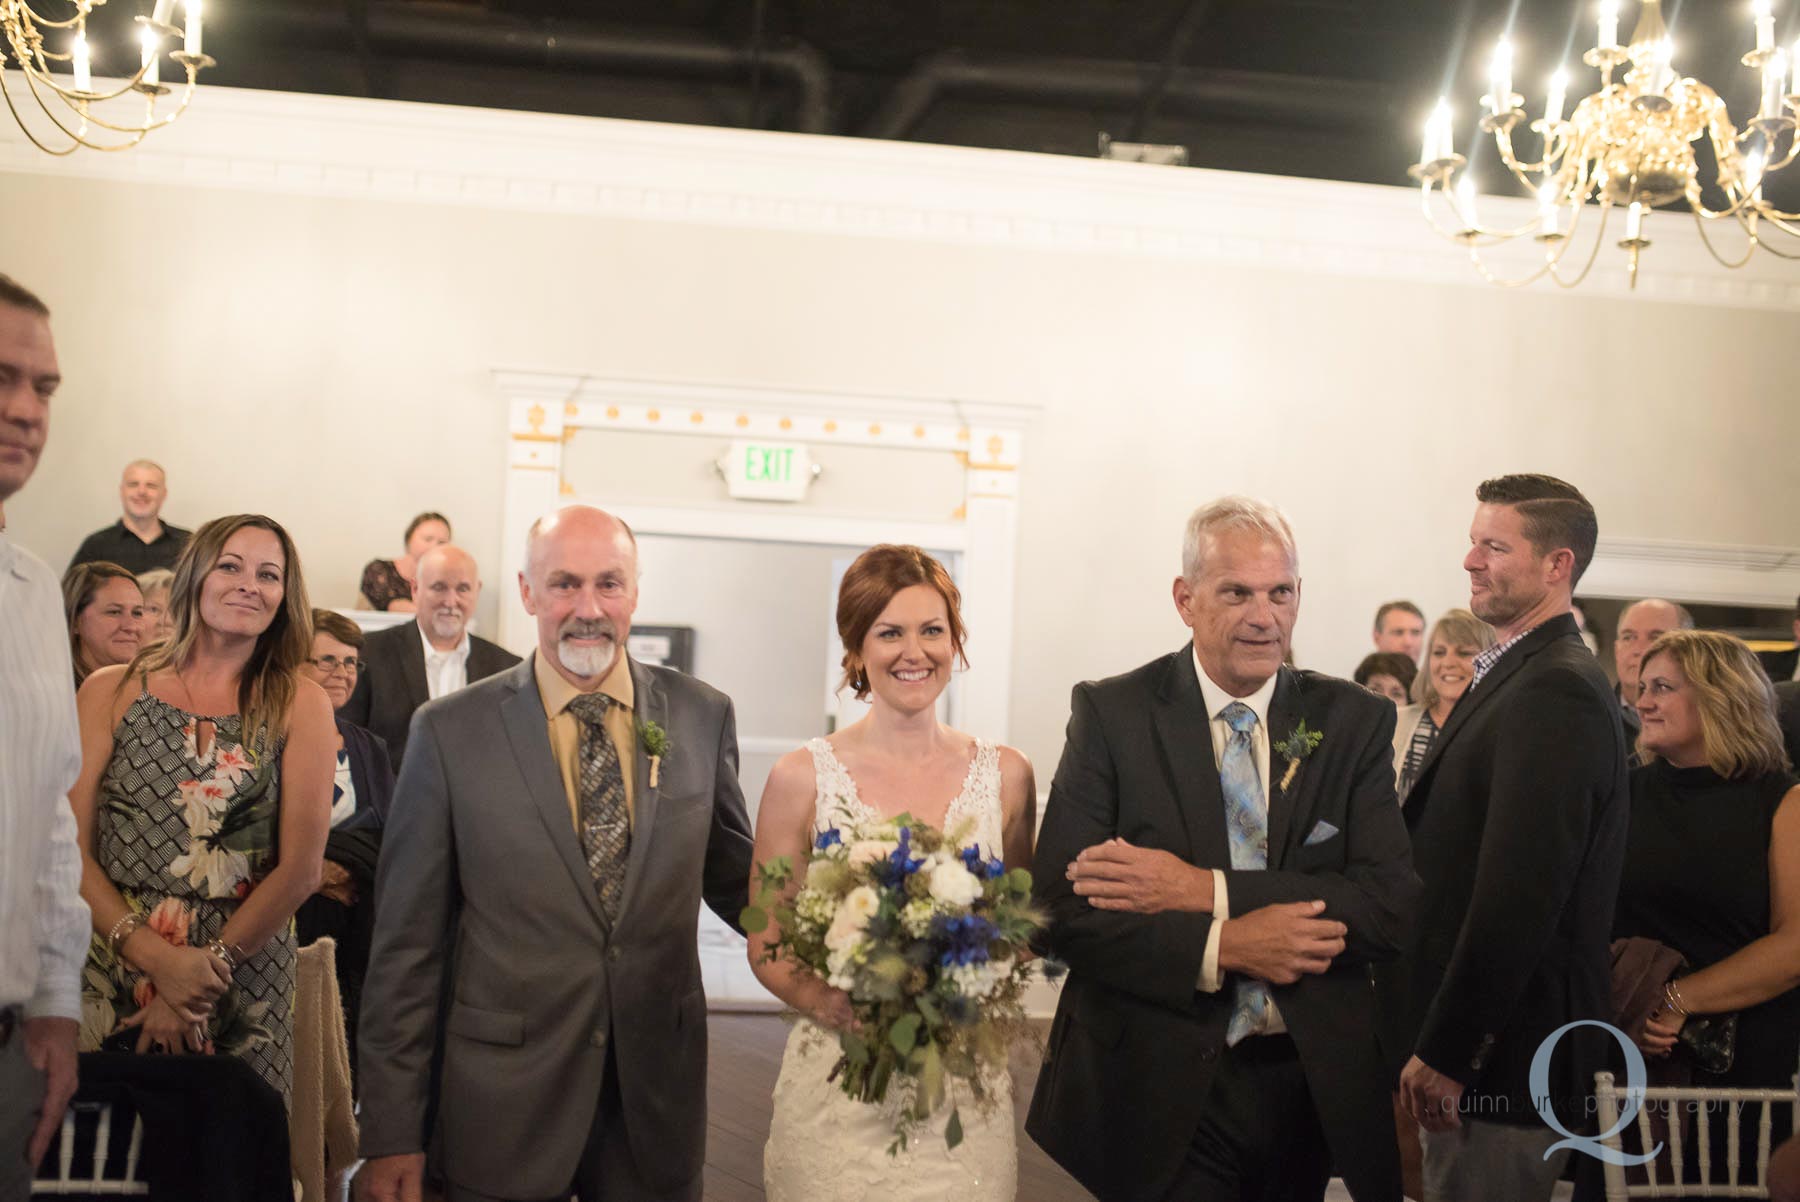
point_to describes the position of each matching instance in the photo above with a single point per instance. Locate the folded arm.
(1156, 957)
(1376, 891)
(728, 846)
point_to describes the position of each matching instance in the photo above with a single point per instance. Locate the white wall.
(324, 353)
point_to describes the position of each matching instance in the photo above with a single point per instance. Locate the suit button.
(598, 1038)
(612, 954)
(1209, 1054)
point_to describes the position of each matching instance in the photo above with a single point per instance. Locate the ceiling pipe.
(412, 28)
(1258, 96)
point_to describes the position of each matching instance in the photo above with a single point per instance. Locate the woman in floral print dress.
(203, 804)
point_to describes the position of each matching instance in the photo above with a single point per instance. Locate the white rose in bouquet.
(953, 884)
(852, 918)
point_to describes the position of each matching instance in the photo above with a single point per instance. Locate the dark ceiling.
(1330, 89)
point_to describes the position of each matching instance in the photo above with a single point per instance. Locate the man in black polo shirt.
(140, 540)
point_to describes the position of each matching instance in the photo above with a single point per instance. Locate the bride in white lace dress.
(898, 616)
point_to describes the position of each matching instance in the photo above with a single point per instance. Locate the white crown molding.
(434, 154)
(1719, 573)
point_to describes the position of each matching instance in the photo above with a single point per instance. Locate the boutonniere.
(1299, 744)
(655, 741)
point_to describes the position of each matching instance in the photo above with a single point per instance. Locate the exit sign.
(767, 471)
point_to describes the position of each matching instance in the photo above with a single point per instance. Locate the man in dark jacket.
(1518, 828)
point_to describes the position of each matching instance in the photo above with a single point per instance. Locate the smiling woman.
(1457, 638)
(105, 610)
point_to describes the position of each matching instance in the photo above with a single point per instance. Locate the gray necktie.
(605, 818)
(1247, 823)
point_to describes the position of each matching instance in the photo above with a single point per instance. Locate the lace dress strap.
(836, 800)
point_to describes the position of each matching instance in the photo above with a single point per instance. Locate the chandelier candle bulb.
(191, 39)
(1440, 142)
(1609, 23)
(164, 10)
(1634, 222)
(1765, 25)
(1559, 94)
(1774, 84)
(1500, 83)
(84, 75)
(152, 49)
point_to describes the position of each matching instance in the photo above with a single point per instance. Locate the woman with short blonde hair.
(1712, 866)
(1450, 651)
(155, 585)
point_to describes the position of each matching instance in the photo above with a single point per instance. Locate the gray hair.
(1233, 513)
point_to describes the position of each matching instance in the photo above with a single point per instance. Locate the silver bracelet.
(122, 930)
(225, 952)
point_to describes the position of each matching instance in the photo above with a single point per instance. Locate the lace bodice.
(977, 805)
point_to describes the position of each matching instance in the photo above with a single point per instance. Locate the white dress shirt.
(445, 671)
(1216, 699)
(44, 924)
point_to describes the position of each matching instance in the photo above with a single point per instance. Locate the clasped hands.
(1278, 944)
(187, 981)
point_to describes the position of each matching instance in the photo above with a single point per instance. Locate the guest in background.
(105, 612)
(1640, 624)
(343, 907)
(1400, 628)
(1457, 638)
(1712, 864)
(154, 584)
(1387, 674)
(387, 584)
(1785, 665)
(43, 921)
(1787, 710)
(406, 666)
(140, 540)
(1589, 639)
(200, 759)
(1518, 829)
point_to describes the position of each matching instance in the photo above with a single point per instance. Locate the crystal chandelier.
(62, 112)
(1630, 144)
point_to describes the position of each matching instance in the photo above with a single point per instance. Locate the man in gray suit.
(533, 1011)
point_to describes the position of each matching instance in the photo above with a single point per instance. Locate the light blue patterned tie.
(1248, 822)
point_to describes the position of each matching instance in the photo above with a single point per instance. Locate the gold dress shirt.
(565, 728)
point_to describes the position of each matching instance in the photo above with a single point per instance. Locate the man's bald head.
(580, 583)
(449, 588)
(1640, 624)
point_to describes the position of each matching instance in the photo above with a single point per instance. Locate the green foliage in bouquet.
(929, 939)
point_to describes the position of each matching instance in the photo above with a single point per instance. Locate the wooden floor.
(743, 1059)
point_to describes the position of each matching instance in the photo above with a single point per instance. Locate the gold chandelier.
(1631, 145)
(62, 112)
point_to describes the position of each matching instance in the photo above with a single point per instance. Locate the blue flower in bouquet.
(900, 864)
(979, 868)
(827, 839)
(965, 939)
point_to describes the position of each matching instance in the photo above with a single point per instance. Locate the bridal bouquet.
(928, 939)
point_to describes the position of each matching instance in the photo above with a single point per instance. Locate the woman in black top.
(1712, 866)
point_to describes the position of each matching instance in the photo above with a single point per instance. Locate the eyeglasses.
(331, 663)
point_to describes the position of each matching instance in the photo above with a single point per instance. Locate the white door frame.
(546, 410)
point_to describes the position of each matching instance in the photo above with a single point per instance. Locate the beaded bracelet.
(122, 930)
(225, 952)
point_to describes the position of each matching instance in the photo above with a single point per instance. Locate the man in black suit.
(1518, 826)
(1222, 858)
(406, 666)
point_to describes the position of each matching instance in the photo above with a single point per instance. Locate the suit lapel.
(1184, 732)
(412, 659)
(1284, 717)
(528, 731)
(1482, 694)
(651, 706)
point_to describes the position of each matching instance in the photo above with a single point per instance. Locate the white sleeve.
(61, 922)
(1211, 979)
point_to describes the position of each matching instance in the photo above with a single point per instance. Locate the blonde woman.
(1456, 639)
(1712, 860)
(199, 759)
(155, 586)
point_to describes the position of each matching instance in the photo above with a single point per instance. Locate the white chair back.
(107, 1180)
(1664, 1174)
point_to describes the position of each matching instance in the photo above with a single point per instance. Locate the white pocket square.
(1320, 833)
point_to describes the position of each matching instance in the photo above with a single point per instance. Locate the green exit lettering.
(772, 464)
